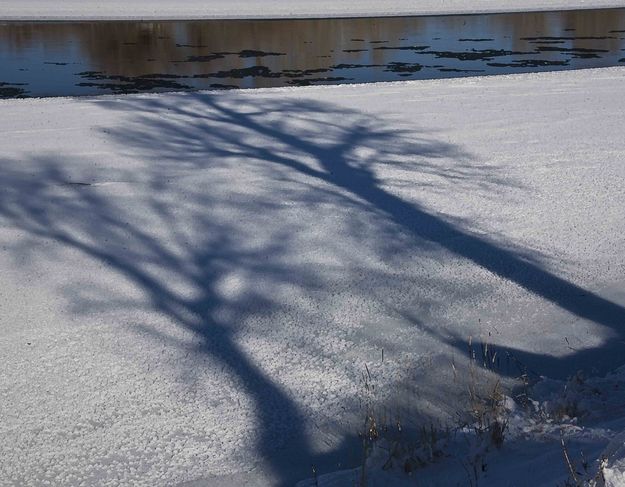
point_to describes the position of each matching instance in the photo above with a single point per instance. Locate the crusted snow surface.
(192, 284)
(213, 9)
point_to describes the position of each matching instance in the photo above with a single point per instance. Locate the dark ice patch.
(570, 49)
(12, 90)
(405, 68)
(529, 63)
(310, 81)
(475, 55)
(586, 38)
(299, 73)
(245, 53)
(401, 48)
(251, 72)
(547, 42)
(355, 66)
(130, 84)
(204, 59)
(219, 86)
(576, 52)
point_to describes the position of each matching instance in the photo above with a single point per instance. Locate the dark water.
(84, 58)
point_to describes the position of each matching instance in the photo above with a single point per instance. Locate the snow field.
(192, 283)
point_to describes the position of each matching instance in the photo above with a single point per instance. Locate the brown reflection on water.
(134, 49)
(572, 24)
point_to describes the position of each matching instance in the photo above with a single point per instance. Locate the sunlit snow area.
(231, 9)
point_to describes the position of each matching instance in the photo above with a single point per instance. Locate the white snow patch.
(614, 472)
(237, 9)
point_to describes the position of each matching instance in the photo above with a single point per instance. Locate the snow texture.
(214, 9)
(191, 284)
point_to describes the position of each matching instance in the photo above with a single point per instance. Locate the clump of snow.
(614, 454)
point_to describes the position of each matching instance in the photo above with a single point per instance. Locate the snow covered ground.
(194, 9)
(192, 284)
(582, 418)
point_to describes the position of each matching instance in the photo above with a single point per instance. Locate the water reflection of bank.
(170, 55)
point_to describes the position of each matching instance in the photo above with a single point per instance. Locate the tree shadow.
(82, 218)
(330, 149)
(172, 228)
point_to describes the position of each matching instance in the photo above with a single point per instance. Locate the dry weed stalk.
(586, 477)
(486, 401)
